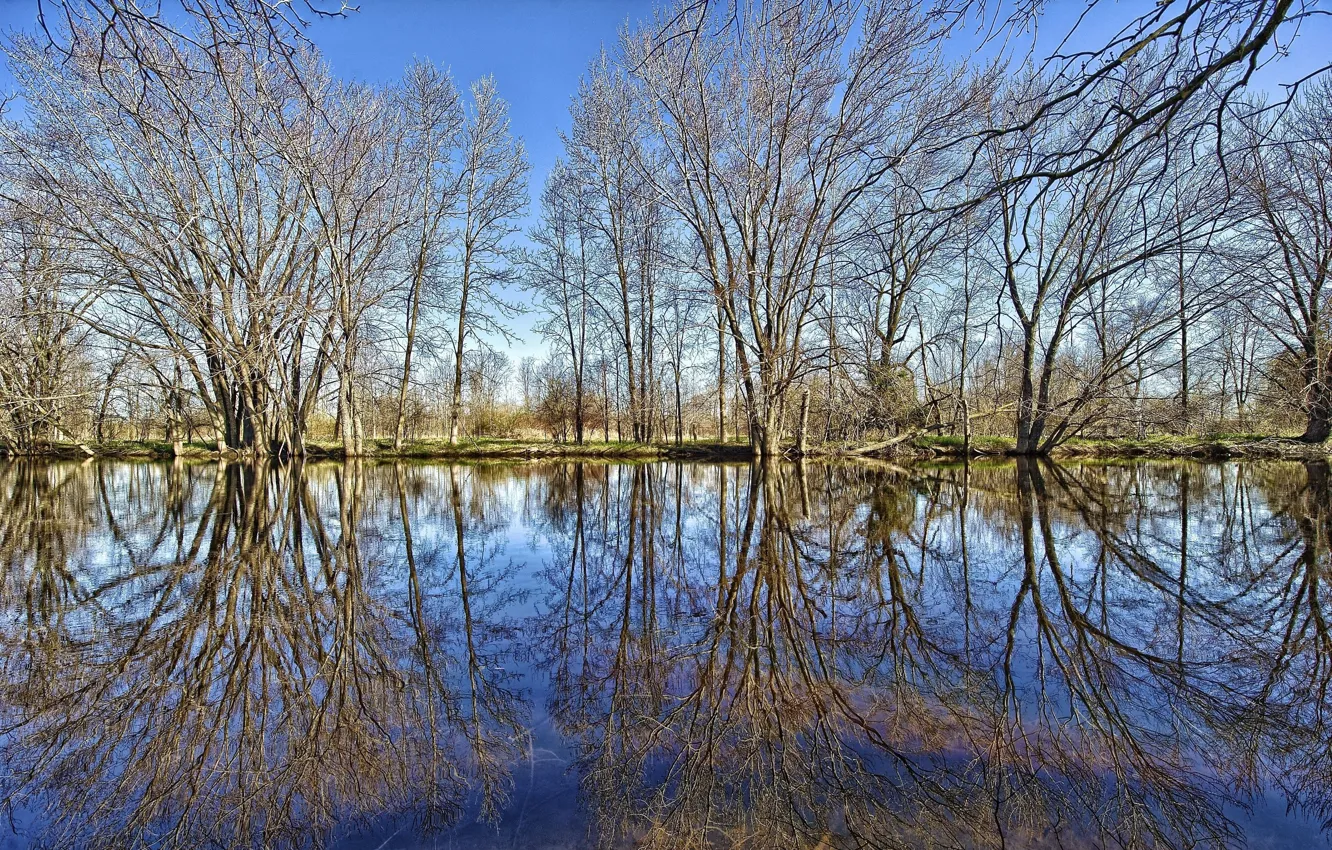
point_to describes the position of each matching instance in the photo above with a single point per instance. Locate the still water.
(665, 655)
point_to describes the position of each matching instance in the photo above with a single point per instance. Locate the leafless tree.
(193, 226)
(604, 151)
(1208, 47)
(561, 270)
(767, 134)
(350, 170)
(432, 121)
(1286, 259)
(493, 180)
(1075, 255)
(45, 369)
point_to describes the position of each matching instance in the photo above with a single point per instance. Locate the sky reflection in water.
(665, 655)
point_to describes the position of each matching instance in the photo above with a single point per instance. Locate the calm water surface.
(665, 655)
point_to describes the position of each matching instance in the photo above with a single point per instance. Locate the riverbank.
(485, 449)
(494, 449)
(1196, 447)
(918, 447)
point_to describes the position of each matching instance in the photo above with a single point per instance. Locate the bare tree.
(45, 373)
(191, 223)
(432, 117)
(493, 179)
(561, 271)
(679, 329)
(604, 150)
(1210, 48)
(1287, 256)
(1073, 254)
(768, 132)
(350, 172)
(185, 38)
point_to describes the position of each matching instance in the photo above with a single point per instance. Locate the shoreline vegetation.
(914, 447)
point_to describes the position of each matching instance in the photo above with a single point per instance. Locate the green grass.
(129, 449)
(490, 447)
(484, 447)
(955, 442)
(150, 447)
(1214, 445)
(1191, 445)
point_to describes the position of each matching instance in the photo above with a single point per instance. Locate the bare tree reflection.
(249, 674)
(815, 656)
(847, 688)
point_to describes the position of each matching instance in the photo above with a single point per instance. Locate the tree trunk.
(801, 435)
(966, 427)
(349, 430)
(412, 311)
(765, 433)
(605, 404)
(1184, 409)
(1318, 425)
(721, 378)
(455, 409)
(679, 406)
(1030, 421)
(455, 406)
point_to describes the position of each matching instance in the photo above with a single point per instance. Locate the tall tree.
(432, 122)
(190, 218)
(560, 269)
(604, 150)
(45, 373)
(493, 180)
(1287, 255)
(351, 172)
(768, 129)
(1085, 252)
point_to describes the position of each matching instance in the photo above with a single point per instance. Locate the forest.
(777, 224)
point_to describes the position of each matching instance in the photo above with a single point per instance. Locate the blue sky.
(535, 49)
(538, 49)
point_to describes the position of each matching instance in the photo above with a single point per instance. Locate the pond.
(556, 654)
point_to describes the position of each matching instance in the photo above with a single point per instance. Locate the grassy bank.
(531, 450)
(421, 450)
(1199, 447)
(1209, 447)
(923, 447)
